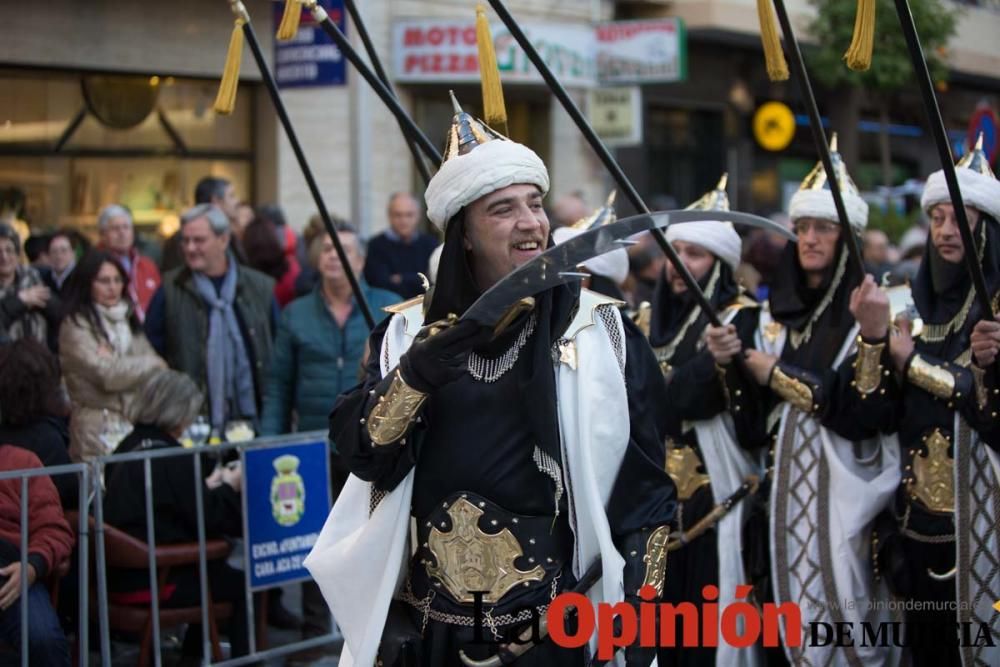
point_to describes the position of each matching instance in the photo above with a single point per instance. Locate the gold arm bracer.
(933, 379)
(868, 367)
(391, 416)
(796, 392)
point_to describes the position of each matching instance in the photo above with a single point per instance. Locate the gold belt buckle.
(470, 559)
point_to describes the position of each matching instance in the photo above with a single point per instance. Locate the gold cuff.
(868, 366)
(933, 379)
(391, 416)
(656, 559)
(796, 392)
(979, 382)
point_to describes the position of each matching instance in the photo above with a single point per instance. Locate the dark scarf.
(941, 290)
(671, 311)
(456, 290)
(793, 304)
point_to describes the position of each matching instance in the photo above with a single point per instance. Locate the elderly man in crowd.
(222, 194)
(213, 318)
(398, 254)
(118, 237)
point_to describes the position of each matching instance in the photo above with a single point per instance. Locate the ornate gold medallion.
(934, 485)
(682, 466)
(469, 559)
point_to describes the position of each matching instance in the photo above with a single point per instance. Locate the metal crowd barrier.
(92, 494)
(83, 535)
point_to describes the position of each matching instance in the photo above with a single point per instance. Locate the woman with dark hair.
(33, 409)
(105, 355)
(264, 253)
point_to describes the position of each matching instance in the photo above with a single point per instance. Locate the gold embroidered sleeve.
(391, 417)
(791, 389)
(868, 367)
(933, 379)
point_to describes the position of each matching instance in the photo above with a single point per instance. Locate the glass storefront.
(70, 143)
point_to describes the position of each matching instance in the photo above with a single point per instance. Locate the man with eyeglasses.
(829, 474)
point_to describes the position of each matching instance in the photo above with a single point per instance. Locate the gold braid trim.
(656, 559)
(868, 367)
(391, 416)
(932, 379)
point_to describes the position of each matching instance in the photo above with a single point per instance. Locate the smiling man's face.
(504, 230)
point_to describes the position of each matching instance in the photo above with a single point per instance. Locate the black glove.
(435, 360)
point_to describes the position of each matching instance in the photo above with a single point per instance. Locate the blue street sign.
(311, 58)
(286, 499)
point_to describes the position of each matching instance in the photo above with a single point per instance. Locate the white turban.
(819, 204)
(719, 238)
(612, 264)
(979, 191)
(487, 168)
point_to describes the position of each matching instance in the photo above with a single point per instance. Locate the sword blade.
(556, 265)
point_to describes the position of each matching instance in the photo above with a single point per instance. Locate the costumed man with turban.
(940, 542)
(831, 474)
(708, 437)
(521, 458)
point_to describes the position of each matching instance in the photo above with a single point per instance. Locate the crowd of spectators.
(244, 320)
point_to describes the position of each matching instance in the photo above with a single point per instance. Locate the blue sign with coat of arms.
(286, 499)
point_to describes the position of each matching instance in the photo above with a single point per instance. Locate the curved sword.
(557, 265)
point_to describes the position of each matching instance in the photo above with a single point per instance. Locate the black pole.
(602, 152)
(409, 127)
(944, 153)
(819, 134)
(359, 25)
(279, 108)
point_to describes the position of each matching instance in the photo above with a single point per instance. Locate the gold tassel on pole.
(777, 68)
(859, 53)
(290, 20)
(494, 111)
(225, 101)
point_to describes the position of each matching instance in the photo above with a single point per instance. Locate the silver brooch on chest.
(491, 370)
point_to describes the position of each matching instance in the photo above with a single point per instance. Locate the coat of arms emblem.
(288, 493)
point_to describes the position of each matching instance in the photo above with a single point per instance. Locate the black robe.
(696, 391)
(914, 538)
(481, 438)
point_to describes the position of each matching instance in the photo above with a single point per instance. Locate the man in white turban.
(832, 471)
(516, 454)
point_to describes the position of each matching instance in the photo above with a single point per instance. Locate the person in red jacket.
(49, 544)
(118, 237)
